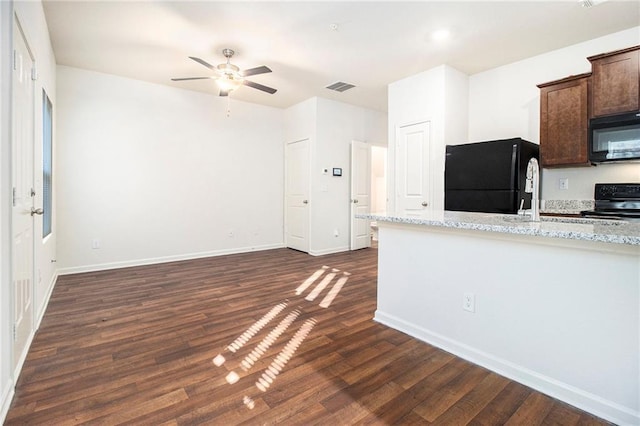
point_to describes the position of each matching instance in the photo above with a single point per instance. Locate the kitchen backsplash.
(566, 206)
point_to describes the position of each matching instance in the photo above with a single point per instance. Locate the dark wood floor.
(137, 345)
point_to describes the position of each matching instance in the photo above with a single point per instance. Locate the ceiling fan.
(229, 77)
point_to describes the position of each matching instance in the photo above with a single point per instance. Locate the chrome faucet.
(532, 186)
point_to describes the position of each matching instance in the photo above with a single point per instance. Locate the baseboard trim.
(164, 259)
(9, 391)
(7, 396)
(23, 355)
(328, 251)
(47, 296)
(579, 398)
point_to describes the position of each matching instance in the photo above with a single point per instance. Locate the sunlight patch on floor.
(257, 326)
(266, 343)
(326, 302)
(280, 361)
(302, 287)
(323, 284)
(284, 356)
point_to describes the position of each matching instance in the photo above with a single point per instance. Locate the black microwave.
(614, 138)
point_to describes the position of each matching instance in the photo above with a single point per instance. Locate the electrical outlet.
(336, 233)
(563, 183)
(230, 233)
(95, 243)
(469, 302)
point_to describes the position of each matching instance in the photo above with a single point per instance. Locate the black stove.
(615, 201)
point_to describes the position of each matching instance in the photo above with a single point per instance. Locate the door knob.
(425, 204)
(355, 201)
(305, 201)
(36, 211)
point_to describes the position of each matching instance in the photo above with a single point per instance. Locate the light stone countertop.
(566, 206)
(600, 230)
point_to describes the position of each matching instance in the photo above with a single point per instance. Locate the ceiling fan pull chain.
(228, 106)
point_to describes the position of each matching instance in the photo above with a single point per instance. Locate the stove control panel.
(617, 191)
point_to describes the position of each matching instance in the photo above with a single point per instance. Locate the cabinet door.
(616, 83)
(564, 123)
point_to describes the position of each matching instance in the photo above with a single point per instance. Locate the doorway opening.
(378, 185)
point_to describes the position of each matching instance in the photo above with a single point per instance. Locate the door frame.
(353, 199)
(16, 364)
(286, 192)
(393, 159)
(6, 276)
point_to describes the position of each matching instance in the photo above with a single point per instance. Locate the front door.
(297, 195)
(412, 168)
(22, 183)
(360, 194)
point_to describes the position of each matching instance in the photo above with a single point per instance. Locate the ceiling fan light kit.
(228, 76)
(228, 83)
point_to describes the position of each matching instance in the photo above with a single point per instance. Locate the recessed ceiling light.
(440, 35)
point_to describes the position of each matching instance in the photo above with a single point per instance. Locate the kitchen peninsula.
(553, 304)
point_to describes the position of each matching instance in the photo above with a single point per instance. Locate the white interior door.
(412, 168)
(360, 194)
(297, 195)
(22, 183)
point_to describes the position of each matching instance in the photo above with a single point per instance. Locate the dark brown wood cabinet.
(615, 85)
(564, 121)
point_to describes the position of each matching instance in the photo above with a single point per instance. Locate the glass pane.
(47, 166)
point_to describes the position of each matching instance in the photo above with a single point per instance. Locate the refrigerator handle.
(514, 167)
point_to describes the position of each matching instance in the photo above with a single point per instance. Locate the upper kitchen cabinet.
(615, 82)
(564, 122)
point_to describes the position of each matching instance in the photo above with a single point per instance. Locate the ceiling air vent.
(340, 86)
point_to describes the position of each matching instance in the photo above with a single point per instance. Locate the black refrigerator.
(488, 176)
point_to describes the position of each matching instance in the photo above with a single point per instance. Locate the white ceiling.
(375, 43)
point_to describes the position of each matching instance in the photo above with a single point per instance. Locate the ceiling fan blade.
(191, 78)
(259, 86)
(257, 70)
(203, 62)
(224, 93)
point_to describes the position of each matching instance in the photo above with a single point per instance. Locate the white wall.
(300, 121)
(456, 108)
(504, 102)
(412, 100)
(34, 26)
(6, 378)
(438, 95)
(157, 173)
(338, 125)
(570, 330)
(378, 179)
(330, 127)
(33, 23)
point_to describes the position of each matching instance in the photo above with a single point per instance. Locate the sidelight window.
(47, 163)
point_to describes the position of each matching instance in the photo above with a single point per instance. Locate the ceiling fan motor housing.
(229, 69)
